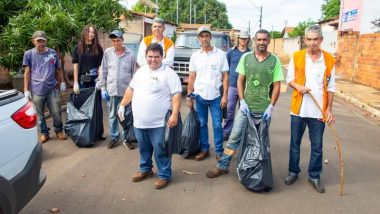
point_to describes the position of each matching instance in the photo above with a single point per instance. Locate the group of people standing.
(216, 81)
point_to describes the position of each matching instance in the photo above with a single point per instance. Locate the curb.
(374, 112)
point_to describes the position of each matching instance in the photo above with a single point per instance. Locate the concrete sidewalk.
(364, 97)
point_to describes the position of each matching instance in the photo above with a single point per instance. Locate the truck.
(21, 176)
(187, 43)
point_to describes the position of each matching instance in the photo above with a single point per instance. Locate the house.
(330, 34)
(285, 32)
(186, 27)
(357, 15)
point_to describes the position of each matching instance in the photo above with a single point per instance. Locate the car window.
(191, 41)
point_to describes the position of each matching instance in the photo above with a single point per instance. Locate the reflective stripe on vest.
(167, 43)
(299, 59)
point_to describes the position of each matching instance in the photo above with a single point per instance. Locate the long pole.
(195, 14)
(261, 15)
(204, 9)
(177, 12)
(156, 8)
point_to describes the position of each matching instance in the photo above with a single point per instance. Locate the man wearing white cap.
(208, 71)
(233, 57)
(40, 83)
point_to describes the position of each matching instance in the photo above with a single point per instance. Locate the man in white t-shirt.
(208, 70)
(310, 71)
(154, 89)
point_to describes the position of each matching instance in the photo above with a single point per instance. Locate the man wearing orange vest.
(158, 28)
(310, 71)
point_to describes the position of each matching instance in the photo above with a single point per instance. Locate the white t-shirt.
(209, 68)
(152, 95)
(314, 80)
(168, 58)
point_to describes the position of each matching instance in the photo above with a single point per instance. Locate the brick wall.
(358, 58)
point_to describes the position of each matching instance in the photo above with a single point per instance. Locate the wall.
(330, 41)
(349, 19)
(358, 58)
(291, 45)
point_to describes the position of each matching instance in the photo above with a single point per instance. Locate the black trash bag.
(254, 160)
(173, 135)
(84, 122)
(127, 124)
(190, 144)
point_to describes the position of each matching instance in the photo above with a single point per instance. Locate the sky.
(276, 13)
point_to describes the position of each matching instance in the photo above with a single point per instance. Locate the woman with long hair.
(87, 57)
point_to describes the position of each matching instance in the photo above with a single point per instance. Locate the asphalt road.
(98, 180)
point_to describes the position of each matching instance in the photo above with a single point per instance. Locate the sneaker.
(112, 143)
(161, 183)
(128, 145)
(139, 176)
(44, 138)
(60, 135)
(216, 172)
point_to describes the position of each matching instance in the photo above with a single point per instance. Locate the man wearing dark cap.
(158, 28)
(41, 85)
(117, 69)
(233, 57)
(208, 70)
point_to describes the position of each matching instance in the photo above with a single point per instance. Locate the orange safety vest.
(167, 43)
(299, 59)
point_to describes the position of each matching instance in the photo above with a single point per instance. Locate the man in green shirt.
(260, 74)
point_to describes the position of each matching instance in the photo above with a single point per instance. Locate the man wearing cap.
(158, 28)
(233, 57)
(40, 83)
(207, 73)
(260, 73)
(116, 71)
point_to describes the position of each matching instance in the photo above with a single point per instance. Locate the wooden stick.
(337, 143)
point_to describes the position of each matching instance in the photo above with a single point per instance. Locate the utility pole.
(156, 8)
(249, 27)
(195, 14)
(177, 12)
(205, 13)
(190, 10)
(261, 15)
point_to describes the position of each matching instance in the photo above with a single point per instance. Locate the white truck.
(21, 176)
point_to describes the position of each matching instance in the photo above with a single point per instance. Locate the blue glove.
(268, 112)
(105, 95)
(244, 107)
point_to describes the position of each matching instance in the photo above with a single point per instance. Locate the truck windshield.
(191, 41)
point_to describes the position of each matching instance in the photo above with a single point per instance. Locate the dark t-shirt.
(86, 60)
(233, 57)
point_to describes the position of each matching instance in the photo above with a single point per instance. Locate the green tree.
(330, 9)
(8, 9)
(299, 30)
(62, 20)
(275, 34)
(376, 25)
(215, 11)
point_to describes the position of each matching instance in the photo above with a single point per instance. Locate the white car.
(21, 176)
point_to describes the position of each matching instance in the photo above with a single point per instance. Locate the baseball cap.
(39, 35)
(116, 34)
(204, 29)
(243, 34)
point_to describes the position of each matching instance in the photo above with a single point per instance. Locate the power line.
(257, 8)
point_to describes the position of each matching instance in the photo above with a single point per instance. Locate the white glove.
(120, 112)
(97, 85)
(28, 95)
(63, 87)
(76, 88)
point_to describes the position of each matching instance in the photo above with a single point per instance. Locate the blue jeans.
(202, 107)
(150, 140)
(234, 140)
(113, 104)
(53, 102)
(297, 128)
(231, 107)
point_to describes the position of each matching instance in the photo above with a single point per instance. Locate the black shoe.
(102, 138)
(113, 143)
(316, 183)
(128, 145)
(291, 178)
